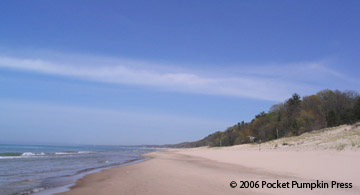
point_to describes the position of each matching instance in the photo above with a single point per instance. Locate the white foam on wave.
(63, 153)
(85, 152)
(24, 155)
(28, 154)
(10, 157)
(68, 153)
(32, 154)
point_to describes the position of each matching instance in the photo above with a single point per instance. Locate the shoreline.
(208, 171)
(75, 178)
(69, 187)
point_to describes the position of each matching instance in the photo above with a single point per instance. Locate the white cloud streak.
(273, 83)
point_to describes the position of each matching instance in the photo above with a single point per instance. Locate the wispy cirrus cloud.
(274, 82)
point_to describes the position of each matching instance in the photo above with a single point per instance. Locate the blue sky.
(155, 72)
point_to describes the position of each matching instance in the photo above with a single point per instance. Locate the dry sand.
(210, 170)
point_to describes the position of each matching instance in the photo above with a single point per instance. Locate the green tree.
(356, 110)
(331, 118)
(293, 117)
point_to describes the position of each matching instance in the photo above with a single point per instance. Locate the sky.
(159, 72)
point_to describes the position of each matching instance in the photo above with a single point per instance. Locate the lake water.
(26, 169)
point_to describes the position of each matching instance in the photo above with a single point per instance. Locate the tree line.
(293, 117)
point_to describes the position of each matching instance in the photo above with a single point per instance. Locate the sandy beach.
(210, 170)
